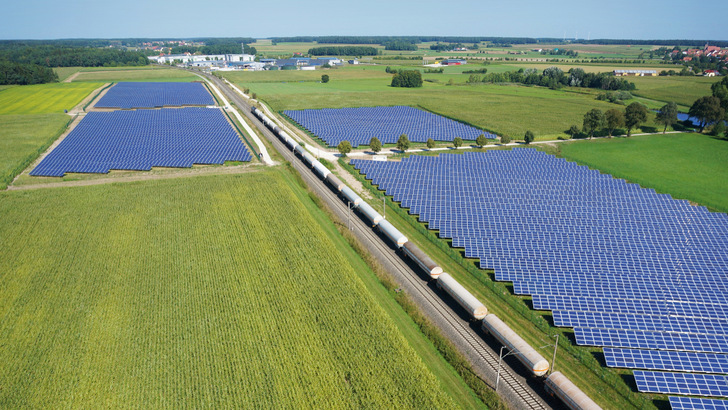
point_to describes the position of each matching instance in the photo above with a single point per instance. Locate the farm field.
(44, 98)
(24, 138)
(106, 309)
(683, 90)
(687, 166)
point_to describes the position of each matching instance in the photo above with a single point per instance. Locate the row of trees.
(55, 56)
(403, 143)
(399, 45)
(554, 77)
(220, 48)
(343, 51)
(24, 74)
(633, 116)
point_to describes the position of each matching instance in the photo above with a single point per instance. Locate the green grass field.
(222, 291)
(682, 90)
(44, 98)
(24, 138)
(687, 166)
(154, 73)
(510, 109)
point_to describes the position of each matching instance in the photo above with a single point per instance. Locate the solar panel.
(651, 340)
(691, 384)
(625, 266)
(697, 403)
(359, 125)
(666, 360)
(640, 322)
(151, 95)
(140, 140)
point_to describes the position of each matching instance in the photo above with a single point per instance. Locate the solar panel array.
(625, 266)
(692, 384)
(697, 403)
(142, 139)
(359, 125)
(155, 95)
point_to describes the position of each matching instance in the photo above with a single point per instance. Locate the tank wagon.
(556, 383)
(575, 399)
(422, 260)
(464, 298)
(524, 352)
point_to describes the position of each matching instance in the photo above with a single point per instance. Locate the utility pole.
(348, 217)
(553, 360)
(384, 207)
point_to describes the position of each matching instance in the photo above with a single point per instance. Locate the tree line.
(554, 77)
(55, 56)
(221, 48)
(713, 109)
(25, 74)
(399, 45)
(343, 51)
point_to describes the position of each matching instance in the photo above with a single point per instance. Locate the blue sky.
(635, 19)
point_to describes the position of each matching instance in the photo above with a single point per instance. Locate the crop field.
(44, 98)
(24, 138)
(687, 166)
(683, 90)
(237, 311)
(139, 74)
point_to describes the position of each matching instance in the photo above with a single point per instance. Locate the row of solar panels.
(359, 125)
(653, 267)
(133, 140)
(154, 95)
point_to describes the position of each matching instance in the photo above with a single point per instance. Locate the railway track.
(512, 387)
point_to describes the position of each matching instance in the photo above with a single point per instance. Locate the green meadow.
(44, 98)
(152, 73)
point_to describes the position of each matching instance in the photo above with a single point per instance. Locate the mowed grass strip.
(216, 291)
(44, 98)
(686, 166)
(24, 138)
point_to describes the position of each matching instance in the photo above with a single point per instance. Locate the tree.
(325, 78)
(614, 119)
(481, 140)
(667, 115)
(634, 115)
(457, 142)
(718, 129)
(720, 90)
(407, 78)
(505, 139)
(430, 143)
(529, 137)
(707, 110)
(344, 147)
(593, 120)
(573, 131)
(375, 144)
(403, 143)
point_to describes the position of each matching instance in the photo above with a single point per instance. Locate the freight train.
(557, 383)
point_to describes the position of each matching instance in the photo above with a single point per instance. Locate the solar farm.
(127, 95)
(636, 272)
(142, 139)
(360, 125)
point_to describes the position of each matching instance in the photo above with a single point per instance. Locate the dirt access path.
(123, 176)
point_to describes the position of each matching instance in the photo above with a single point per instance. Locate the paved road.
(480, 349)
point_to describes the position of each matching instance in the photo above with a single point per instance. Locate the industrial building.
(635, 73)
